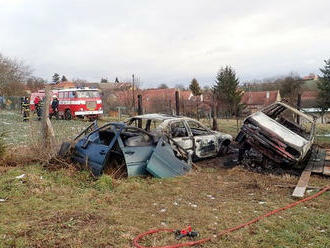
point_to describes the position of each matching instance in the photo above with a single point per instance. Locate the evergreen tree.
(64, 79)
(163, 86)
(227, 92)
(324, 88)
(104, 80)
(56, 78)
(116, 80)
(195, 88)
(196, 91)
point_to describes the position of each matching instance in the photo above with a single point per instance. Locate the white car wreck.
(191, 135)
(277, 135)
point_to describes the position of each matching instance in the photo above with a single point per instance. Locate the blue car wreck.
(121, 150)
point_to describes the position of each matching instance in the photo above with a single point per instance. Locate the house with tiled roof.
(256, 100)
(309, 105)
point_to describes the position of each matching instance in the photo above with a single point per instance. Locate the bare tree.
(13, 75)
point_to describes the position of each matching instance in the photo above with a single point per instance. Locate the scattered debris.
(20, 176)
(188, 133)
(2, 200)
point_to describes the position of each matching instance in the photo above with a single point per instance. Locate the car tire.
(67, 114)
(64, 150)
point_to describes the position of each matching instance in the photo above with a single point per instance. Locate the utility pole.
(133, 94)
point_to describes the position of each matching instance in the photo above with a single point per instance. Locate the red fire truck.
(74, 102)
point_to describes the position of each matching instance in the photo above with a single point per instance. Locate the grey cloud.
(166, 41)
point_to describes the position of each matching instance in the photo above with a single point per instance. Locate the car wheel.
(67, 114)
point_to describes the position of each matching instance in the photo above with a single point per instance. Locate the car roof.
(158, 117)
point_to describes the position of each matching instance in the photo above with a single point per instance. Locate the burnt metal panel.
(163, 163)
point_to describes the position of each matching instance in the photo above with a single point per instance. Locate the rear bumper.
(96, 112)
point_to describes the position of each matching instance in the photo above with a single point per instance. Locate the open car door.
(93, 152)
(163, 163)
(137, 146)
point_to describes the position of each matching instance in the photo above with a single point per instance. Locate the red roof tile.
(262, 98)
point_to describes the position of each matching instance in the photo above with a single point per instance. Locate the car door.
(205, 141)
(180, 134)
(137, 147)
(91, 151)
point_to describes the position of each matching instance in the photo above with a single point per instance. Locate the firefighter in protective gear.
(55, 103)
(40, 109)
(36, 104)
(26, 109)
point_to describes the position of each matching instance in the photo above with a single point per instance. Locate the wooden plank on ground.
(300, 189)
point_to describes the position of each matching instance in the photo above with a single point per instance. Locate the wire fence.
(13, 103)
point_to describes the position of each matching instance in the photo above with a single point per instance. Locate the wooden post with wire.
(48, 136)
(140, 110)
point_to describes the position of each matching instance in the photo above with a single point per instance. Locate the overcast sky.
(166, 41)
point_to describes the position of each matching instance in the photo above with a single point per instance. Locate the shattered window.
(197, 129)
(291, 120)
(133, 137)
(178, 129)
(88, 94)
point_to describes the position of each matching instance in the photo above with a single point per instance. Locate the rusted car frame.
(278, 134)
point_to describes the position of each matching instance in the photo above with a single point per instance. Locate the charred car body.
(188, 133)
(125, 151)
(277, 135)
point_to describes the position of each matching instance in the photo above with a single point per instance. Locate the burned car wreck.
(188, 133)
(278, 135)
(120, 150)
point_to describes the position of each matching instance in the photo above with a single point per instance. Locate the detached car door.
(206, 143)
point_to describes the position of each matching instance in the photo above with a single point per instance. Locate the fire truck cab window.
(71, 94)
(87, 94)
(60, 95)
(66, 95)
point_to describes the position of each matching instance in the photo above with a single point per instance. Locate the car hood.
(284, 134)
(223, 136)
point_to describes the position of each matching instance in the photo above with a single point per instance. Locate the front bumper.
(96, 112)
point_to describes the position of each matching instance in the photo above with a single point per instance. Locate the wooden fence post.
(48, 136)
(177, 103)
(140, 111)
